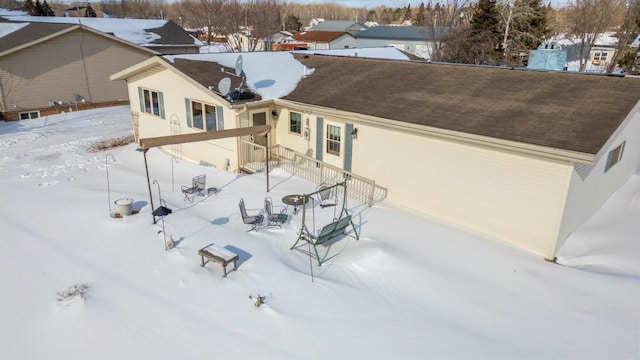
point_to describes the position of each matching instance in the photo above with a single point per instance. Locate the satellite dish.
(239, 66)
(224, 86)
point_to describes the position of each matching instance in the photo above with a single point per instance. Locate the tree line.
(493, 32)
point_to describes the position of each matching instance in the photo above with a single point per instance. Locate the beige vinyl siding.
(591, 186)
(175, 89)
(511, 197)
(295, 141)
(78, 62)
(344, 41)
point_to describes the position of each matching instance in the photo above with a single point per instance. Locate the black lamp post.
(161, 211)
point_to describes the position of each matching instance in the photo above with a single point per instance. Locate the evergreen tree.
(90, 12)
(407, 13)
(485, 35)
(420, 19)
(372, 15)
(29, 7)
(486, 18)
(38, 10)
(398, 14)
(46, 9)
(386, 16)
(292, 23)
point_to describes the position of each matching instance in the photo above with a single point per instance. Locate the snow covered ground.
(410, 288)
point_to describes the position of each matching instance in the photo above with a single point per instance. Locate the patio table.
(295, 200)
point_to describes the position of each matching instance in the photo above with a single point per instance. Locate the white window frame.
(149, 100)
(599, 57)
(333, 139)
(208, 111)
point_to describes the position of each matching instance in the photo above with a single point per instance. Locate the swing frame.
(335, 228)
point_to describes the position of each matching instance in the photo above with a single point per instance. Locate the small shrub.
(111, 143)
(72, 292)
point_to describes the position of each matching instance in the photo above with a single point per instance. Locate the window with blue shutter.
(187, 105)
(220, 114)
(348, 145)
(161, 104)
(319, 138)
(141, 98)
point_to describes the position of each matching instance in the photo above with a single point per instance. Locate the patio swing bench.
(328, 232)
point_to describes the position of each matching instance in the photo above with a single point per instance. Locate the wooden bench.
(220, 255)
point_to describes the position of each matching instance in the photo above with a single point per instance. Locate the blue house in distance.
(548, 56)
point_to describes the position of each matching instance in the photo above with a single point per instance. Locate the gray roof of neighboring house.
(140, 32)
(26, 34)
(408, 33)
(569, 111)
(339, 25)
(172, 34)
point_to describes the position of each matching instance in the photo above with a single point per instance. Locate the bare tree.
(204, 15)
(630, 26)
(589, 19)
(442, 18)
(234, 24)
(263, 20)
(10, 4)
(515, 38)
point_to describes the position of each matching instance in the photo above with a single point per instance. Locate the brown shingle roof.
(574, 112)
(207, 74)
(319, 36)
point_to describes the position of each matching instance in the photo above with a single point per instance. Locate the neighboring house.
(416, 40)
(549, 56)
(79, 11)
(519, 156)
(281, 37)
(284, 41)
(352, 27)
(601, 53)
(324, 40)
(243, 41)
(50, 66)
(162, 36)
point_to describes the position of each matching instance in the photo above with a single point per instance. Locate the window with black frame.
(295, 123)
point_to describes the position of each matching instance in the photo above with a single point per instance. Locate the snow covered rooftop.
(137, 31)
(274, 75)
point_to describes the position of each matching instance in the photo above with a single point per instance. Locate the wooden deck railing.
(307, 168)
